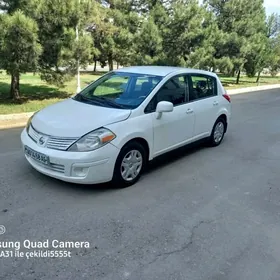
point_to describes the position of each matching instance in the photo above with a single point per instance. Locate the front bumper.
(75, 167)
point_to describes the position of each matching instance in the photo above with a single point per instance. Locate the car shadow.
(159, 162)
(79, 189)
(55, 184)
(82, 189)
(175, 155)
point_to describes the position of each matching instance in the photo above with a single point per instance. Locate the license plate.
(36, 156)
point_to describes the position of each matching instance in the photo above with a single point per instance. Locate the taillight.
(227, 97)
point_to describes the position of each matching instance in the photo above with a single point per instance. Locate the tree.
(262, 53)
(148, 43)
(146, 6)
(274, 56)
(103, 37)
(19, 48)
(11, 6)
(126, 23)
(273, 50)
(243, 24)
(256, 57)
(57, 22)
(189, 35)
(273, 25)
(113, 35)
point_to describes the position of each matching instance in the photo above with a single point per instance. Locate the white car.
(112, 128)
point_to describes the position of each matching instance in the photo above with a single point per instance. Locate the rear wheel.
(218, 133)
(129, 165)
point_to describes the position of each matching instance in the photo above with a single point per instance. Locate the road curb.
(19, 120)
(16, 116)
(252, 89)
(7, 125)
(14, 120)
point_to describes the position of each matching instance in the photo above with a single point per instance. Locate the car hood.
(70, 118)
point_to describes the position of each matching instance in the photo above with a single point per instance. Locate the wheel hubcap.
(219, 132)
(131, 165)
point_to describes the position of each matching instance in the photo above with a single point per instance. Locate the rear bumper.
(75, 167)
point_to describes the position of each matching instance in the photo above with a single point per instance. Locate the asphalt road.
(199, 213)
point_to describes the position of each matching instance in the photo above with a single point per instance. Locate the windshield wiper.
(109, 102)
(82, 98)
(98, 100)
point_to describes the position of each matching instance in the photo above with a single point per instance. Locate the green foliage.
(57, 21)
(263, 49)
(19, 47)
(273, 25)
(11, 6)
(148, 43)
(224, 64)
(274, 56)
(243, 26)
(113, 33)
(19, 50)
(222, 35)
(190, 35)
(257, 55)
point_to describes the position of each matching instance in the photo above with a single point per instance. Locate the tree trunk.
(95, 65)
(233, 73)
(111, 63)
(15, 86)
(238, 77)
(118, 65)
(258, 78)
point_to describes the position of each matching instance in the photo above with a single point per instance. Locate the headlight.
(93, 140)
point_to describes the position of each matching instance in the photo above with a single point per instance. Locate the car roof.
(161, 70)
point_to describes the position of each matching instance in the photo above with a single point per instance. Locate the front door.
(173, 129)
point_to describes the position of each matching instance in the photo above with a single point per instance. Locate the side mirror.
(164, 107)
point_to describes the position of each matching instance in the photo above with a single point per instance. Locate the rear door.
(205, 103)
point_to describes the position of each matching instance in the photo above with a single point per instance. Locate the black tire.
(214, 142)
(118, 180)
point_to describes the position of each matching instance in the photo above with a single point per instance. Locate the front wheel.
(129, 165)
(218, 133)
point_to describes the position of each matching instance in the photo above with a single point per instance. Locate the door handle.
(215, 103)
(189, 111)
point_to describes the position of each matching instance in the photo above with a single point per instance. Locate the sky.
(272, 6)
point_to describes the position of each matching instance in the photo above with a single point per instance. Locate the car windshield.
(119, 90)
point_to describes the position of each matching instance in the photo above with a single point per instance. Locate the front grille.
(59, 143)
(33, 134)
(53, 142)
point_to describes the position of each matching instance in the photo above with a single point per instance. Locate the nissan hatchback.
(116, 125)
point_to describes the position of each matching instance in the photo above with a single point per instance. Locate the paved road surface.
(208, 213)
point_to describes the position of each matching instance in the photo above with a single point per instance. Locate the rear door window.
(202, 86)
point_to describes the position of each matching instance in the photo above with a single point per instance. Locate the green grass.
(230, 82)
(37, 94)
